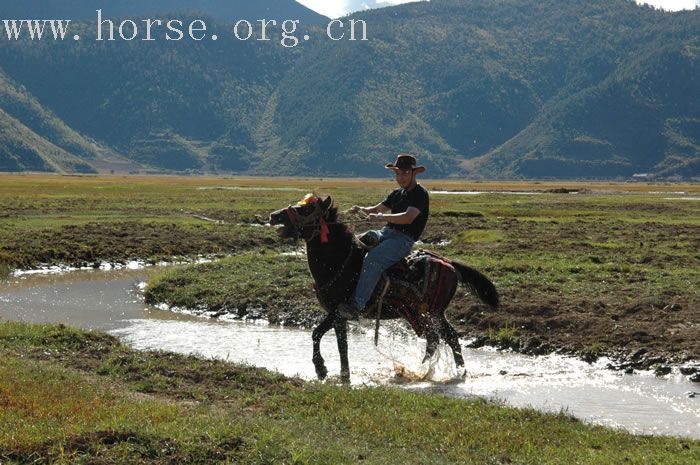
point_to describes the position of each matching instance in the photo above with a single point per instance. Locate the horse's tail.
(478, 284)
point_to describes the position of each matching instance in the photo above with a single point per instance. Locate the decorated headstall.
(303, 221)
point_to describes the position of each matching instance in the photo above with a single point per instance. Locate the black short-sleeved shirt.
(399, 201)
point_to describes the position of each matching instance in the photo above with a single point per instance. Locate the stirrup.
(348, 311)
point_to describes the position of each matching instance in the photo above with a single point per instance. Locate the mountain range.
(475, 88)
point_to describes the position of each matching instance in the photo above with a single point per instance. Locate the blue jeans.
(393, 246)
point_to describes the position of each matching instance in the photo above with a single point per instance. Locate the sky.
(337, 8)
(672, 5)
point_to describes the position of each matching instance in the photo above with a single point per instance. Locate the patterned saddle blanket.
(420, 287)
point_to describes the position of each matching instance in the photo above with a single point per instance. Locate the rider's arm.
(379, 208)
(406, 217)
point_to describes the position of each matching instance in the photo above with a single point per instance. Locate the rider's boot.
(349, 311)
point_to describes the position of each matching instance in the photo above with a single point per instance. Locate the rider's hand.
(355, 209)
(376, 216)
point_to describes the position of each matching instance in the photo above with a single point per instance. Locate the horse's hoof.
(321, 372)
(345, 377)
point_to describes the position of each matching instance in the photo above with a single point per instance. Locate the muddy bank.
(80, 245)
(642, 334)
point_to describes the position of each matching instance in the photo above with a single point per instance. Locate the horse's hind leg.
(431, 346)
(450, 335)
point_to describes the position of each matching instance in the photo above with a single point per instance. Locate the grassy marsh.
(614, 265)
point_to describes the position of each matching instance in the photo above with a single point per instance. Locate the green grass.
(505, 336)
(70, 396)
(5, 270)
(466, 238)
(251, 280)
(53, 219)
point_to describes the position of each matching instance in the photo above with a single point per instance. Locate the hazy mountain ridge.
(514, 89)
(490, 88)
(189, 96)
(39, 140)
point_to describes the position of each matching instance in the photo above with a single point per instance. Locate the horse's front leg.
(341, 335)
(317, 335)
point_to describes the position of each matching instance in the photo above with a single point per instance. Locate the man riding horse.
(419, 293)
(410, 207)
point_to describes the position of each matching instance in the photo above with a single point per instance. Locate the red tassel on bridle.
(322, 222)
(324, 231)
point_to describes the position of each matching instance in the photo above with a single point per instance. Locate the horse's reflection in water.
(335, 259)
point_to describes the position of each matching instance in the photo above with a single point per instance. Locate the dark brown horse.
(335, 259)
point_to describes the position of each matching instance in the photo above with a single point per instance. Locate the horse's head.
(306, 219)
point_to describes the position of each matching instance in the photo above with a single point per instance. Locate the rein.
(321, 227)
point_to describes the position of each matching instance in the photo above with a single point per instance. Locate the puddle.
(111, 301)
(483, 192)
(105, 266)
(249, 188)
(298, 252)
(441, 243)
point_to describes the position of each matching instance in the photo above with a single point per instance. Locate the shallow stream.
(111, 301)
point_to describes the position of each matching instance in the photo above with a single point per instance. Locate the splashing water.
(405, 353)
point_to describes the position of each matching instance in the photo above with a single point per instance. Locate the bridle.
(320, 227)
(314, 219)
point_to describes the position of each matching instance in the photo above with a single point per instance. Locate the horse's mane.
(332, 213)
(332, 217)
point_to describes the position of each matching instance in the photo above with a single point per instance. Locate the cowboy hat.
(405, 161)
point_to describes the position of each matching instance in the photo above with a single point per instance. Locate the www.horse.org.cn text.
(284, 32)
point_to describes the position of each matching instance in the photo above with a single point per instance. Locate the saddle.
(410, 269)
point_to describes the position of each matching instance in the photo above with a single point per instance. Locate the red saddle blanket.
(420, 287)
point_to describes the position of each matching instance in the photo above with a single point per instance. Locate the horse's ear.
(327, 203)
